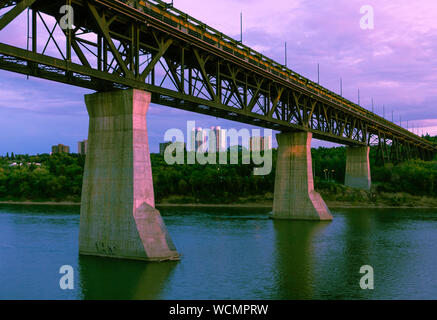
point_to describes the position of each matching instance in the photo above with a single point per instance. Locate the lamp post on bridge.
(286, 54)
(241, 28)
(318, 73)
(341, 87)
(359, 96)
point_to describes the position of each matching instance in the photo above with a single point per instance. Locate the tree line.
(58, 177)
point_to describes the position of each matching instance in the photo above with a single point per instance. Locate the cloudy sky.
(395, 64)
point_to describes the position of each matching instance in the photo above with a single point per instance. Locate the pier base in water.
(295, 198)
(358, 168)
(117, 216)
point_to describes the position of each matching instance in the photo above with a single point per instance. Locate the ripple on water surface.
(228, 253)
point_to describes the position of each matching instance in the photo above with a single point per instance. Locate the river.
(228, 254)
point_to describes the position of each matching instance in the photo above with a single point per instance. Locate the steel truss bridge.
(186, 64)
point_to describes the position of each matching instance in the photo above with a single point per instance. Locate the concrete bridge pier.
(295, 198)
(118, 217)
(358, 168)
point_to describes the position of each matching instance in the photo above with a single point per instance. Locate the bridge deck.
(189, 65)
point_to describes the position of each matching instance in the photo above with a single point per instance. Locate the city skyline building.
(220, 139)
(82, 147)
(259, 143)
(199, 140)
(162, 147)
(60, 148)
(211, 140)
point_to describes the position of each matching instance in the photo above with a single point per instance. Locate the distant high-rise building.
(193, 140)
(267, 143)
(163, 146)
(60, 148)
(258, 143)
(220, 140)
(255, 143)
(82, 147)
(214, 139)
(198, 140)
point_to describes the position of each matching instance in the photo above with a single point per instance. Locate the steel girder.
(113, 46)
(391, 150)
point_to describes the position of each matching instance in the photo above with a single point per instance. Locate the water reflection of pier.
(102, 278)
(295, 258)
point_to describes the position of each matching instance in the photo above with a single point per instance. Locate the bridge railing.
(168, 14)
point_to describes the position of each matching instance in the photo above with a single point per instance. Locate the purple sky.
(395, 63)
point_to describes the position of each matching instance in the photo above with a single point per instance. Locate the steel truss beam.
(112, 48)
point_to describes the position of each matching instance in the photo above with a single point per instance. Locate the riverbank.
(330, 204)
(48, 203)
(336, 196)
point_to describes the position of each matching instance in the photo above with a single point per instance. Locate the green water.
(228, 254)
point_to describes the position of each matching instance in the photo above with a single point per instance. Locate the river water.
(228, 254)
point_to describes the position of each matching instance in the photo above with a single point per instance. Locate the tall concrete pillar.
(358, 168)
(118, 216)
(295, 198)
